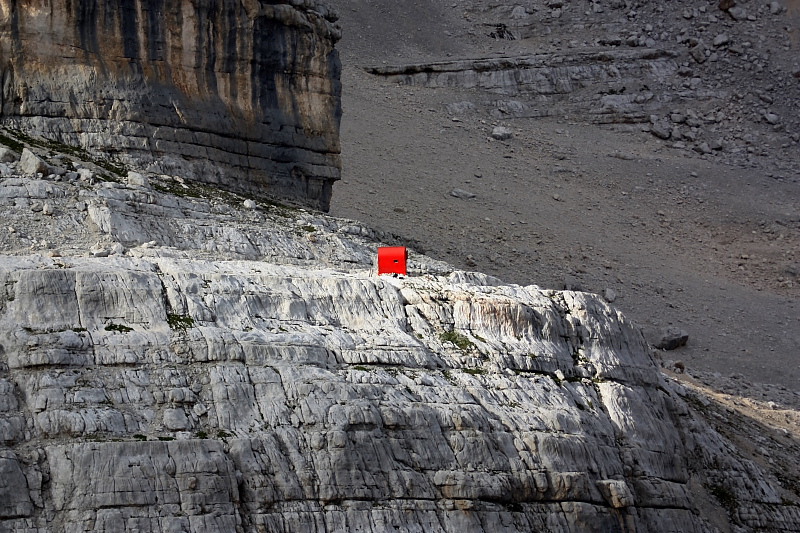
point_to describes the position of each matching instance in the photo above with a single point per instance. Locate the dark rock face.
(240, 94)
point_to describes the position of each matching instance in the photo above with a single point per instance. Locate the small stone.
(86, 174)
(678, 118)
(461, 193)
(137, 180)
(703, 148)
(661, 129)
(775, 8)
(737, 13)
(502, 133)
(47, 209)
(117, 249)
(721, 39)
(250, 204)
(672, 339)
(698, 52)
(772, 118)
(610, 295)
(519, 12)
(792, 269)
(679, 367)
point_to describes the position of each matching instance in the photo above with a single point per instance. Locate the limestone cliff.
(209, 366)
(242, 94)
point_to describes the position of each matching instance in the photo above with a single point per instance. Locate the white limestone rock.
(186, 484)
(138, 179)
(235, 374)
(32, 164)
(550, 399)
(501, 133)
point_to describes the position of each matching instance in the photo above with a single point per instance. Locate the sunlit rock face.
(241, 94)
(187, 363)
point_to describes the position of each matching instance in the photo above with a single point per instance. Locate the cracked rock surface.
(178, 359)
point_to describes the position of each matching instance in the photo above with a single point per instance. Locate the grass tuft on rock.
(180, 322)
(461, 341)
(119, 328)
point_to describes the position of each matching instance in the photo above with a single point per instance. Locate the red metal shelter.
(392, 260)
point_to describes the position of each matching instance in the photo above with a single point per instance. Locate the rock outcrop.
(244, 95)
(549, 84)
(211, 366)
(706, 78)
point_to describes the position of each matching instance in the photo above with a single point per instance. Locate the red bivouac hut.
(392, 260)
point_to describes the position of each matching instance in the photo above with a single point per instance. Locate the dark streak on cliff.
(129, 24)
(87, 15)
(244, 95)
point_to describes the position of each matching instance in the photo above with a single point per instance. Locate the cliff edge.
(243, 95)
(174, 358)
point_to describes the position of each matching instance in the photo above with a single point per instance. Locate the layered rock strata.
(145, 389)
(172, 394)
(550, 84)
(717, 78)
(244, 95)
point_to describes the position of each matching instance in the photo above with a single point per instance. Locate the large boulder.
(31, 163)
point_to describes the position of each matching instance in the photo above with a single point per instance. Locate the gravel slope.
(709, 244)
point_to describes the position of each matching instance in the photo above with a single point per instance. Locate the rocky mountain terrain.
(175, 358)
(650, 155)
(242, 95)
(178, 357)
